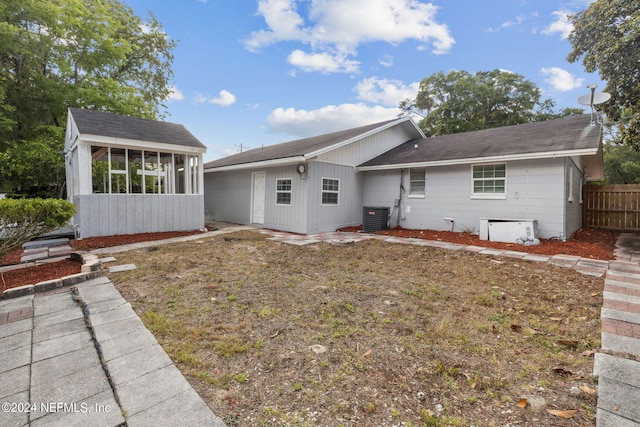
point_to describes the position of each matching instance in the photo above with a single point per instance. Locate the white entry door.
(258, 197)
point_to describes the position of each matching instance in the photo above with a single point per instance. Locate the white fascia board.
(364, 135)
(257, 165)
(143, 145)
(491, 159)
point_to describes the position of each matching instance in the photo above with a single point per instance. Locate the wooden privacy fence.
(611, 206)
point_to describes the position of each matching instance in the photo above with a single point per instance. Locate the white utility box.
(508, 230)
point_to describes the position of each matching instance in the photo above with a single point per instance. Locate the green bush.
(24, 219)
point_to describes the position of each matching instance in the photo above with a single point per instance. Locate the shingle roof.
(560, 135)
(295, 148)
(94, 122)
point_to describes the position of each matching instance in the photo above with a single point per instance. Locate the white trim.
(322, 191)
(135, 143)
(491, 159)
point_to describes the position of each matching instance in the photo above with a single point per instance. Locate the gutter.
(468, 160)
(261, 164)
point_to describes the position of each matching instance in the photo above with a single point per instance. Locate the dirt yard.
(370, 333)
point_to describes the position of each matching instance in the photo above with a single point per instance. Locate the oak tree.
(71, 53)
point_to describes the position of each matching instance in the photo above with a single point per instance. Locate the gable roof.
(100, 123)
(567, 136)
(306, 148)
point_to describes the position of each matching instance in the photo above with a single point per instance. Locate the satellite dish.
(594, 98)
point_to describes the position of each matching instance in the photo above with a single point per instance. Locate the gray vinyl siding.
(367, 148)
(114, 214)
(291, 217)
(381, 189)
(228, 196)
(534, 190)
(573, 208)
(348, 212)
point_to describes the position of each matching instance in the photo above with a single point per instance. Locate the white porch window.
(131, 171)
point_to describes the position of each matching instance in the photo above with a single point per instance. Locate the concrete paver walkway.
(618, 364)
(81, 356)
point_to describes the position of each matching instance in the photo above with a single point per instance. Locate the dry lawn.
(414, 336)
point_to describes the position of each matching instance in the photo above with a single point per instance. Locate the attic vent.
(375, 219)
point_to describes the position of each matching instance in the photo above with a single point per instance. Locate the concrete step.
(45, 243)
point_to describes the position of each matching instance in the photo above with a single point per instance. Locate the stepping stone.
(123, 267)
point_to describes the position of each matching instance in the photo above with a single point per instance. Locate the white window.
(489, 181)
(123, 170)
(330, 191)
(283, 191)
(416, 182)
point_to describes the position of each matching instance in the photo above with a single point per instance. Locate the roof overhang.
(261, 164)
(489, 159)
(143, 145)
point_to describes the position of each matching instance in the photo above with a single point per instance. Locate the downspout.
(400, 197)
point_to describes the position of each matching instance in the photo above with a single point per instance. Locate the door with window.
(258, 197)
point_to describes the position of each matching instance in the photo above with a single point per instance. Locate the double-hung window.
(416, 182)
(283, 191)
(489, 181)
(330, 191)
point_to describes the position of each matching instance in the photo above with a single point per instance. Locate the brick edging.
(91, 269)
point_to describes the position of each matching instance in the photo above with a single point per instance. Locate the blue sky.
(259, 72)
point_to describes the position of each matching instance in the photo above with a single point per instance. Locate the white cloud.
(519, 20)
(324, 62)
(224, 99)
(338, 27)
(175, 94)
(561, 80)
(561, 25)
(306, 123)
(385, 91)
(386, 61)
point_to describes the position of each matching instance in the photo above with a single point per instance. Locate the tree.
(621, 164)
(606, 36)
(71, 53)
(460, 102)
(24, 219)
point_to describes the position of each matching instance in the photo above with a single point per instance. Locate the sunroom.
(128, 175)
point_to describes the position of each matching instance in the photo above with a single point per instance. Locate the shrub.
(24, 219)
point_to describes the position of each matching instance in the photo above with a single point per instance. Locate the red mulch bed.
(55, 270)
(587, 243)
(38, 273)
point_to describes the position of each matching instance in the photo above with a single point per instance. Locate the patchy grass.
(413, 335)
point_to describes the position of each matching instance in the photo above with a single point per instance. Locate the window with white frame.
(330, 191)
(489, 180)
(416, 182)
(131, 171)
(283, 191)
